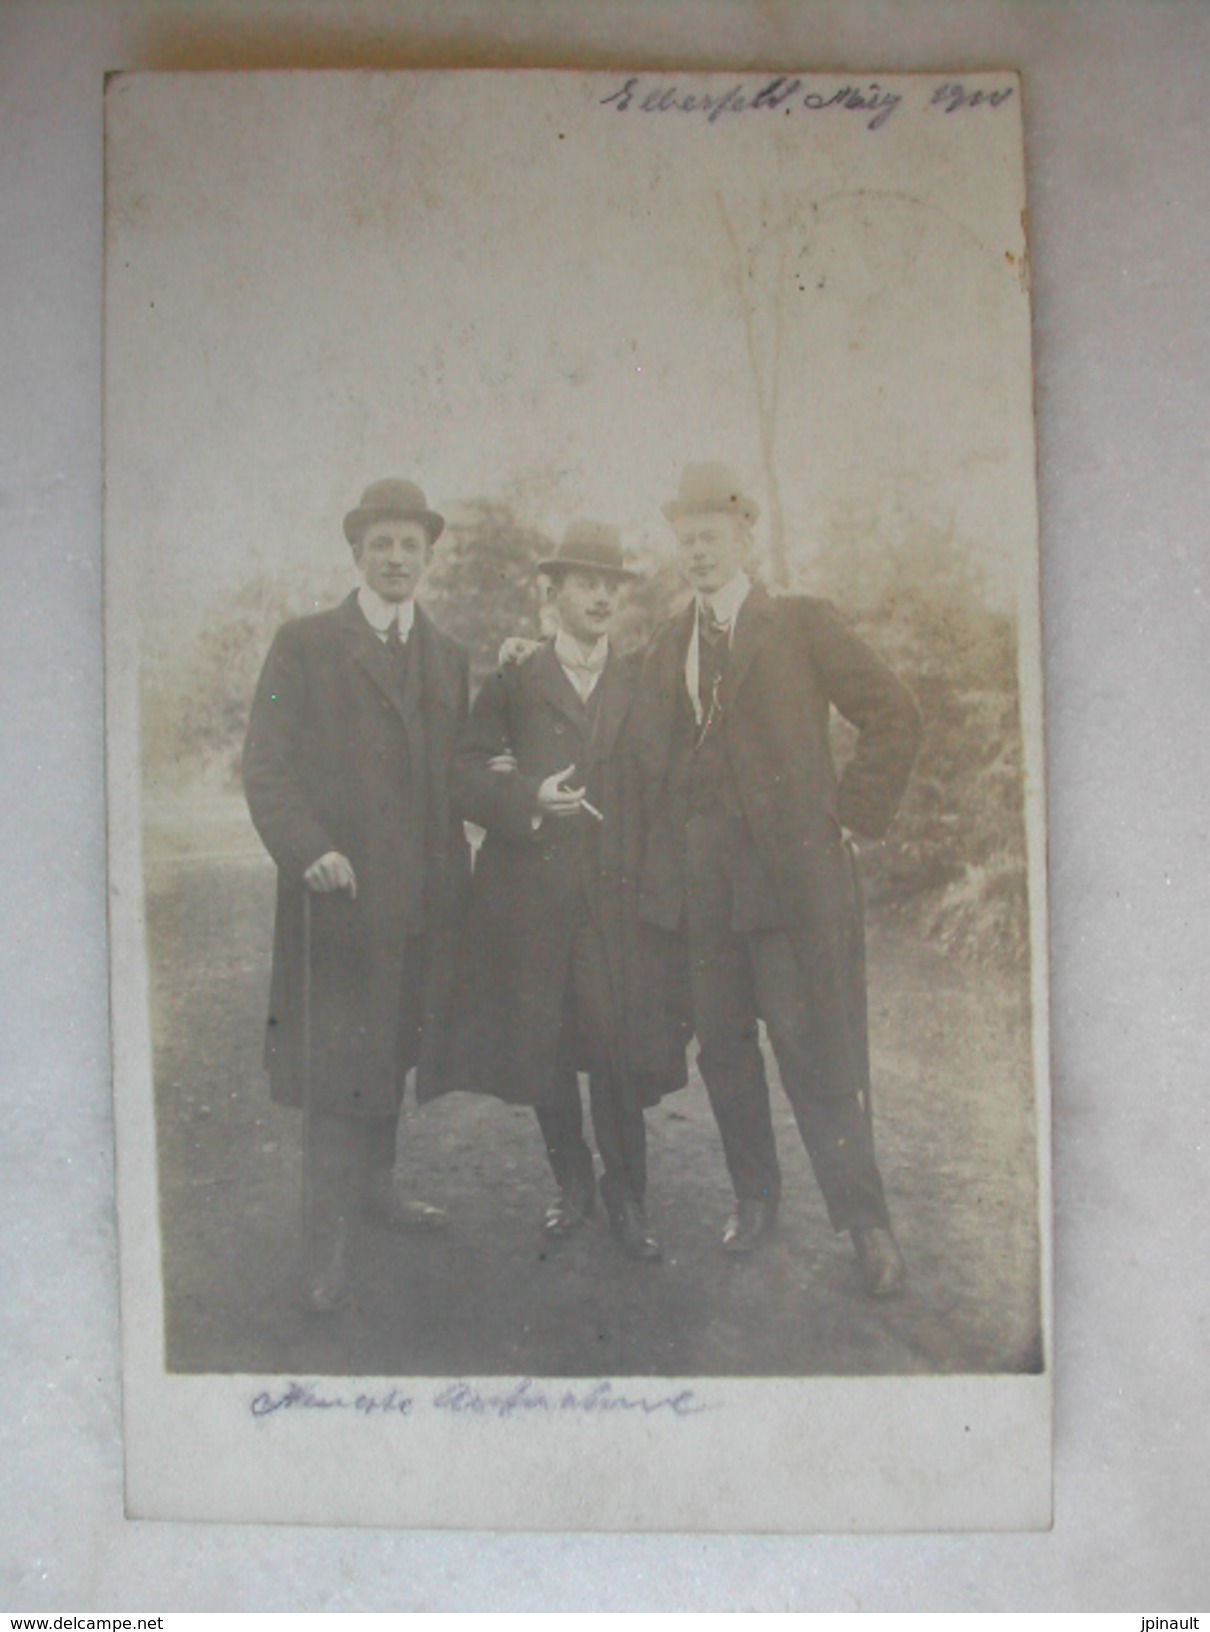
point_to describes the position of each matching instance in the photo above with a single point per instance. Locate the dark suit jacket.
(338, 758)
(530, 885)
(792, 660)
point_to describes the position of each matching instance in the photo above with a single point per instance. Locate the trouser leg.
(410, 1017)
(335, 1181)
(379, 1187)
(621, 1137)
(834, 1126)
(380, 1132)
(725, 1021)
(561, 1121)
(617, 1114)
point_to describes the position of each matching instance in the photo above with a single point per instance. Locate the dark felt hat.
(708, 490)
(393, 497)
(589, 546)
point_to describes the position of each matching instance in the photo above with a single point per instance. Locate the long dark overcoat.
(339, 757)
(507, 1011)
(792, 660)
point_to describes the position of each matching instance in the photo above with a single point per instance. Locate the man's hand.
(516, 649)
(554, 799)
(331, 872)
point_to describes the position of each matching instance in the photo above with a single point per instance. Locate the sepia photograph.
(576, 800)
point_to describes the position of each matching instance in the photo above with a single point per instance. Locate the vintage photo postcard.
(577, 827)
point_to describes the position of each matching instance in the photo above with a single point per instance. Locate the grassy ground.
(489, 1296)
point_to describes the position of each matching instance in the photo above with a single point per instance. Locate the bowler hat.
(393, 497)
(589, 546)
(711, 489)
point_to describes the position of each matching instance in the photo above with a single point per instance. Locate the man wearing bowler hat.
(747, 852)
(346, 763)
(555, 975)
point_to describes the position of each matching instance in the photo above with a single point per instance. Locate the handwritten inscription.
(524, 1398)
(789, 94)
(602, 1399)
(953, 98)
(306, 1397)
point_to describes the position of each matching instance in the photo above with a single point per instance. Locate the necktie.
(713, 647)
(396, 645)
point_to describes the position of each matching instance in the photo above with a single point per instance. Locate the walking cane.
(306, 1071)
(866, 1097)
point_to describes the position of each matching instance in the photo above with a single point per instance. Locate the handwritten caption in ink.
(524, 1398)
(791, 93)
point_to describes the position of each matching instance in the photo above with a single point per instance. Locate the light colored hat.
(393, 497)
(711, 489)
(590, 546)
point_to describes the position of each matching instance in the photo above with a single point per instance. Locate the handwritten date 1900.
(954, 96)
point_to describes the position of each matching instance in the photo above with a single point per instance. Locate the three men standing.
(746, 850)
(680, 804)
(346, 764)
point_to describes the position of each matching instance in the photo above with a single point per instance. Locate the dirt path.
(489, 1296)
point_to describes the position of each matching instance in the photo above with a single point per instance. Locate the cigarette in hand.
(591, 810)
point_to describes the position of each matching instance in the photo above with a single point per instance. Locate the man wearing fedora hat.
(554, 975)
(346, 762)
(747, 852)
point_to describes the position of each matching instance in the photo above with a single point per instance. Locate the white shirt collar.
(582, 668)
(572, 655)
(726, 602)
(380, 614)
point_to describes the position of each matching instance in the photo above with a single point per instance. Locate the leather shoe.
(328, 1283)
(750, 1225)
(386, 1208)
(879, 1260)
(572, 1208)
(629, 1224)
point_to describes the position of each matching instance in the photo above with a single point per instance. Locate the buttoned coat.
(531, 882)
(792, 660)
(340, 757)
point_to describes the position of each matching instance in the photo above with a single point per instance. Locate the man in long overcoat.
(346, 766)
(555, 973)
(747, 851)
